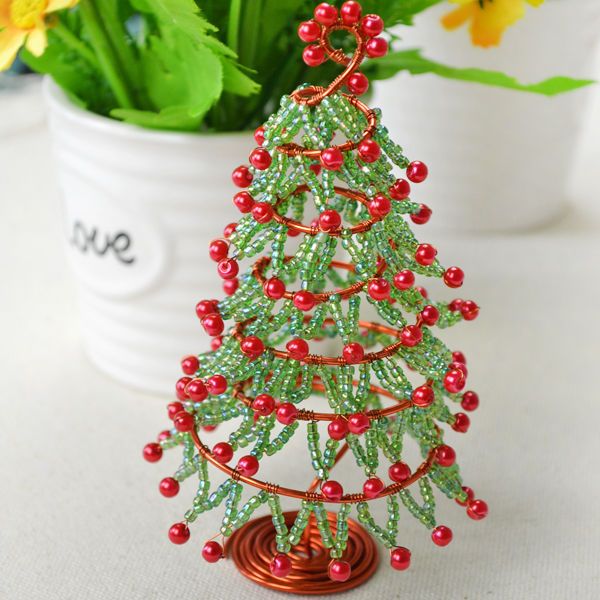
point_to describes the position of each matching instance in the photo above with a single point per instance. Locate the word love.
(92, 240)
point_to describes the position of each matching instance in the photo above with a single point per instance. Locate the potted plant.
(150, 101)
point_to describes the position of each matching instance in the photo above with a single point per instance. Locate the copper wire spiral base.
(253, 546)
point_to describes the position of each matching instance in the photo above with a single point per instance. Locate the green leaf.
(398, 11)
(177, 118)
(181, 15)
(413, 62)
(236, 82)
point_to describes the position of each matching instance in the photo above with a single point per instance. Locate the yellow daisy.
(23, 22)
(489, 18)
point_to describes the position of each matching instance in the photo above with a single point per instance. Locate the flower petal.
(60, 4)
(37, 41)
(458, 17)
(535, 2)
(10, 42)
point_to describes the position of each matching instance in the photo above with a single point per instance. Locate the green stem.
(233, 26)
(75, 44)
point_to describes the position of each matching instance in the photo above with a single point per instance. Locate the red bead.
(380, 206)
(184, 422)
(425, 254)
(460, 366)
(441, 535)
(379, 289)
(248, 465)
(400, 190)
(309, 31)
(325, 14)
(241, 177)
(206, 307)
(173, 408)
(263, 404)
(228, 268)
(417, 171)
(190, 364)
(274, 288)
(243, 202)
(212, 552)
(332, 490)
(430, 314)
(373, 487)
(152, 452)
(330, 220)
(353, 353)
(286, 413)
(229, 229)
(259, 135)
(454, 381)
(230, 286)
(470, 401)
(461, 423)
(376, 48)
(260, 159)
(304, 300)
(180, 386)
(281, 565)
(262, 212)
(218, 250)
(164, 435)
(470, 496)
(372, 25)
(179, 533)
(477, 510)
(369, 150)
(423, 396)
(459, 357)
(422, 291)
(404, 280)
(217, 384)
(313, 55)
(316, 169)
(332, 158)
(339, 570)
(213, 324)
(421, 217)
(222, 452)
(469, 310)
(399, 472)
(209, 428)
(252, 347)
(454, 277)
(350, 12)
(338, 428)
(297, 348)
(357, 84)
(411, 335)
(196, 390)
(400, 558)
(455, 305)
(358, 423)
(169, 487)
(445, 456)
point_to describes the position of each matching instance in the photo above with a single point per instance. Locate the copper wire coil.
(253, 546)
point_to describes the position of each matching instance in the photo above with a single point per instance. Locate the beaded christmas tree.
(264, 368)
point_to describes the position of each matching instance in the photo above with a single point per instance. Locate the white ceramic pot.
(499, 159)
(141, 207)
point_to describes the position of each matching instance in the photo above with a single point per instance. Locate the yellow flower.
(24, 22)
(489, 18)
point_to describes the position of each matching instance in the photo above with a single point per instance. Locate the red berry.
(206, 307)
(152, 452)
(469, 310)
(313, 55)
(230, 286)
(332, 158)
(339, 570)
(297, 348)
(430, 314)
(259, 135)
(309, 31)
(325, 14)
(241, 177)
(454, 381)
(212, 552)
(274, 288)
(400, 558)
(445, 456)
(338, 428)
(376, 48)
(213, 324)
(303, 300)
(380, 206)
(379, 289)
(218, 250)
(411, 335)
(373, 487)
(217, 384)
(228, 268)
(330, 220)
(353, 353)
(332, 490)
(248, 465)
(417, 171)
(180, 386)
(252, 347)
(358, 423)
(184, 422)
(357, 84)
(441, 535)
(459, 357)
(399, 472)
(461, 423)
(222, 452)
(470, 401)
(350, 12)
(372, 25)
(260, 159)
(190, 364)
(470, 496)
(423, 396)
(179, 533)
(404, 280)
(229, 229)
(281, 565)
(196, 390)
(477, 509)
(173, 408)
(369, 150)
(421, 217)
(454, 277)
(425, 254)
(286, 413)
(263, 404)
(169, 487)
(262, 212)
